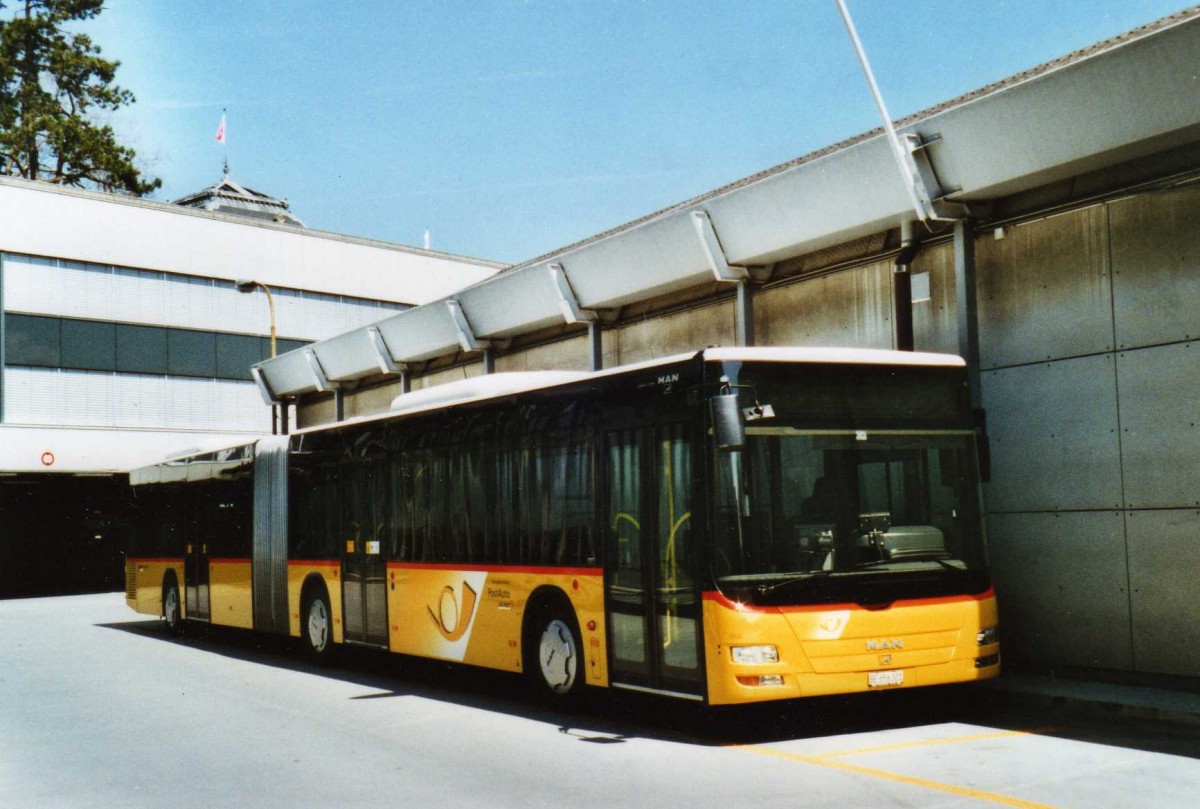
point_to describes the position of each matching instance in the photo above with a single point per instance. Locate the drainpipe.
(902, 288)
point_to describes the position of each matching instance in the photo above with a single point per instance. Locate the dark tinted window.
(31, 340)
(191, 353)
(235, 354)
(141, 349)
(88, 344)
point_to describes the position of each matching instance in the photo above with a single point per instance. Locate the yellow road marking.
(965, 792)
(1000, 734)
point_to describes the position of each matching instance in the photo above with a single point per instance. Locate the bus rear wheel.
(554, 656)
(316, 629)
(170, 602)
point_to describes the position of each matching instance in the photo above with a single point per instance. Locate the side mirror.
(727, 422)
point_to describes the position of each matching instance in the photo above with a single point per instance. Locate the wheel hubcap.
(558, 657)
(171, 608)
(318, 625)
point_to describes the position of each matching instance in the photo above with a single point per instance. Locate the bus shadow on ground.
(612, 716)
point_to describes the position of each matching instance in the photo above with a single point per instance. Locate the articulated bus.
(730, 526)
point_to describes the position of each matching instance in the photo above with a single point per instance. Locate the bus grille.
(131, 581)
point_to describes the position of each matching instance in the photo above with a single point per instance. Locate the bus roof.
(493, 386)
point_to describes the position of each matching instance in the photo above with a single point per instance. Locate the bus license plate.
(880, 678)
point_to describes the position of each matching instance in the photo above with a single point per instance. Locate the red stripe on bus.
(720, 599)
(151, 560)
(313, 563)
(546, 571)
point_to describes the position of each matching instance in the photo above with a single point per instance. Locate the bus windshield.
(796, 510)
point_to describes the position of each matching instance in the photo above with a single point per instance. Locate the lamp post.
(248, 285)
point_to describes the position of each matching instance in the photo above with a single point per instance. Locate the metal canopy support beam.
(405, 381)
(283, 417)
(263, 388)
(466, 337)
(571, 310)
(386, 364)
(339, 405)
(321, 382)
(968, 305)
(489, 361)
(745, 313)
(721, 269)
(595, 345)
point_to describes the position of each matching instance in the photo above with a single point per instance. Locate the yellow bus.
(730, 526)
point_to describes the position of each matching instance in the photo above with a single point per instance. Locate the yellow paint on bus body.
(475, 616)
(144, 582)
(231, 601)
(330, 574)
(835, 649)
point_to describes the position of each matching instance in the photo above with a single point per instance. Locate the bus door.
(652, 599)
(364, 567)
(195, 501)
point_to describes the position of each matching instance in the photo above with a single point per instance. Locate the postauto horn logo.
(451, 618)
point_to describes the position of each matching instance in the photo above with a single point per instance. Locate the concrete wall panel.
(686, 331)
(1053, 433)
(565, 355)
(1060, 580)
(1044, 290)
(935, 321)
(850, 308)
(1160, 425)
(1156, 267)
(1164, 555)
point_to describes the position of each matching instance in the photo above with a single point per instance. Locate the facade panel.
(1053, 436)
(1160, 425)
(849, 308)
(1044, 290)
(935, 320)
(1156, 267)
(1061, 586)
(1164, 555)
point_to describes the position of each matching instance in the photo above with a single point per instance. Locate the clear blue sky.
(512, 128)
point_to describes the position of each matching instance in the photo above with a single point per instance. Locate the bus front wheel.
(170, 604)
(317, 628)
(554, 656)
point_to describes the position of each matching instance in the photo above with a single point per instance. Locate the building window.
(141, 349)
(88, 345)
(32, 341)
(191, 353)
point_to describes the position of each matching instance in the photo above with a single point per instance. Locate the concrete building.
(1063, 263)
(123, 338)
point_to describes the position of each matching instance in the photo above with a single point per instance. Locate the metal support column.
(489, 361)
(283, 417)
(405, 382)
(745, 313)
(339, 405)
(595, 345)
(966, 291)
(968, 304)
(902, 312)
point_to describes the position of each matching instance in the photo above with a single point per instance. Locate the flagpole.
(224, 141)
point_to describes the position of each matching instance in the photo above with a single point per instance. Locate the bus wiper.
(767, 589)
(924, 557)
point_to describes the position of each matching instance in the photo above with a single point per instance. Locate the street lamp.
(249, 285)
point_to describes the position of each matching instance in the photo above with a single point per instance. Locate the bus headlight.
(987, 636)
(754, 655)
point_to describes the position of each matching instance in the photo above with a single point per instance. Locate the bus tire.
(554, 654)
(316, 627)
(170, 605)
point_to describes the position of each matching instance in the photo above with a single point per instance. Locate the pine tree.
(52, 84)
